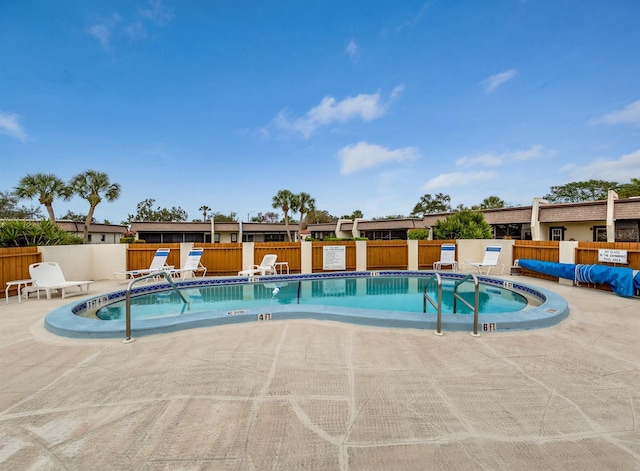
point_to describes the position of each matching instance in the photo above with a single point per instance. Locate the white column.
(412, 252)
(612, 196)
(306, 254)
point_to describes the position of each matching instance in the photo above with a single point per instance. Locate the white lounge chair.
(266, 267)
(48, 276)
(192, 265)
(447, 257)
(491, 259)
(158, 263)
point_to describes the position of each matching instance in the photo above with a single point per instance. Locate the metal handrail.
(128, 298)
(476, 302)
(438, 306)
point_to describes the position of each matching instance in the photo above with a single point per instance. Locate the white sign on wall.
(333, 257)
(612, 256)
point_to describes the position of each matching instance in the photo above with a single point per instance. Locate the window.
(627, 232)
(216, 238)
(511, 231)
(234, 237)
(556, 233)
(599, 233)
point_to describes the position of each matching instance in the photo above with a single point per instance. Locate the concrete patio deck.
(314, 395)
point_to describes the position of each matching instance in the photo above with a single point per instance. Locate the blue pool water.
(376, 293)
(385, 299)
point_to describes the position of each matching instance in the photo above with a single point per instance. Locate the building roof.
(78, 226)
(570, 212)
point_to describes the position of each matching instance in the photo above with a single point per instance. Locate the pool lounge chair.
(158, 263)
(447, 257)
(266, 267)
(48, 276)
(192, 266)
(491, 259)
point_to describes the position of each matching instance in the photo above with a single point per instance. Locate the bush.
(418, 234)
(464, 224)
(31, 234)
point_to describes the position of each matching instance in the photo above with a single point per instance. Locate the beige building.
(612, 220)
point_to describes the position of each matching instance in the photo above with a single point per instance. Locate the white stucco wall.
(473, 250)
(88, 261)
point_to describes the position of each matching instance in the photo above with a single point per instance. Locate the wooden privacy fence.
(14, 265)
(543, 250)
(289, 252)
(317, 254)
(222, 259)
(429, 252)
(587, 253)
(139, 256)
(387, 255)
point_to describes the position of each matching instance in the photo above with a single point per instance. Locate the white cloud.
(103, 31)
(620, 170)
(630, 114)
(364, 155)
(531, 153)
(446, 180)
(9, 125)
(495, 81)
(364, 106)
(135, 31)
(492, 159)
(112, 29)
(415, 19)
(489, 160)
(352, 49)
(396, 92)
(156, 13)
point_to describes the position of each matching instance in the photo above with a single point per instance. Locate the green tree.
(94, 186)
(428, 204)
(205, 211)
(146, 212)
(71, 216)
(9, 208)
(219, 217)
(282, 200)
(491, 202)
(46, 187)
(316, 216)
(627, 190)
(269, 216)
(464, 224)
(354, 215)
(303, 203)
(576, 192)
(390, 216)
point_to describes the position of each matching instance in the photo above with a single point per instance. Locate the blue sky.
(364, 105)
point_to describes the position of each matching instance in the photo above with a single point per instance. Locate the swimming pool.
(292, 297)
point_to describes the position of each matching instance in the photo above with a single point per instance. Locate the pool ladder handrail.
(437, 305)
(154, 275)
(476, 302)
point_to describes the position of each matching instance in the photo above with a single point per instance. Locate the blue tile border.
(68, 320)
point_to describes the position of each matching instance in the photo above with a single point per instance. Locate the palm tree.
(305, 203)
(90, 185)
(283, 201)
(492, 202)
(205, 210)
(46, 186)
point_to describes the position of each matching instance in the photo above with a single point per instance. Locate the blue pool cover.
(623, 281)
